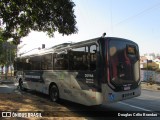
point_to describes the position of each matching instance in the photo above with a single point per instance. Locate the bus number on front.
(89, 75)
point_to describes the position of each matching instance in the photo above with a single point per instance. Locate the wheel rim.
(54, 93)
(21, 85)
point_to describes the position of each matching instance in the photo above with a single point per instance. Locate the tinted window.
(123, 56)
(19, 64)
(93, 57)
(27, 65)
(79, 58)
(22, 64)
(131, 50)
(34, 62)
(61, 61)
(47, 62)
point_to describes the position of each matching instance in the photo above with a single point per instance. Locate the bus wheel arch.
(54, 92)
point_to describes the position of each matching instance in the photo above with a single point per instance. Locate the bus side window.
(47, 62)
(61, 61)
(78, 58)
(27, 64)
(93, 57)
(35, 63)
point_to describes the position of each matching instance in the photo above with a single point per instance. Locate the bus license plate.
(127, 88)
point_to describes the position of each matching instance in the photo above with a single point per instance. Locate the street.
(148, 102)
(7, 86)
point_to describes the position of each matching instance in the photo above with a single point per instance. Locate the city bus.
(92, 72)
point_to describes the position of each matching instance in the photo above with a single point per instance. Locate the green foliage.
(7, 53)
(19, 17)
(1, 49)
(2, 54)
(149, 67)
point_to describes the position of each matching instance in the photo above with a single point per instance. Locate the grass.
(26, 102)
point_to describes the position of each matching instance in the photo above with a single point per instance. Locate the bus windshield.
(124, 62)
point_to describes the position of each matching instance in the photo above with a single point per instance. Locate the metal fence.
(148, 75)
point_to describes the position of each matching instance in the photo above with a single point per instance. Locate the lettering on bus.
(67, 91)
(32, 76)
(89, 75)
(89, 78)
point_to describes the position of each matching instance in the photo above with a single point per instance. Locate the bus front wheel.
(54, 93)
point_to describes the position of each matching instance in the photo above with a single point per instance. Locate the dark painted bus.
(92, 72)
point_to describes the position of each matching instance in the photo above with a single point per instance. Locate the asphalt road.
(7, 86)
(147, 103)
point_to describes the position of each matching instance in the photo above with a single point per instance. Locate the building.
(157, 61)
(143, 60)
(146, 63)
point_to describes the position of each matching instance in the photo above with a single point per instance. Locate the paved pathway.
(7, 86)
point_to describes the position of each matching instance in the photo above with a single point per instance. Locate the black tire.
(21, 85)
(54, 93)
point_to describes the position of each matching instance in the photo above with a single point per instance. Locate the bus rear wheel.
(21, 86)
(54, 93)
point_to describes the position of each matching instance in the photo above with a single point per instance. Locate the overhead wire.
(138, 14)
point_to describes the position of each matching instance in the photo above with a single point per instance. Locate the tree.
(7, 52)
(19, 17)
(2, 54)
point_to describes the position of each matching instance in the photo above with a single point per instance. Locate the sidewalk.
(148, 86)
(6, 82)
(7, 86)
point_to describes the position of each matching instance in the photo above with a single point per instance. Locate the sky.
(137, 20)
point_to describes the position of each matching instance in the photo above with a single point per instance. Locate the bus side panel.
(26, 84)
(48, 77)
(81, 92)
(51, 77)
(64, 85)
(61, 79)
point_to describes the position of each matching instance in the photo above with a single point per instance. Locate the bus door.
(78, 68)
(83, 63)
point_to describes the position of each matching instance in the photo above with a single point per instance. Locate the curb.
(150, 89)
(6, 82)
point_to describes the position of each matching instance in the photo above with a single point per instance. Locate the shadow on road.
(30, 101)
(78, 109)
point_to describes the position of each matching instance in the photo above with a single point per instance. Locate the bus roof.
(70, 45)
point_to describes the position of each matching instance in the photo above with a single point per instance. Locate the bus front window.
(124, 62)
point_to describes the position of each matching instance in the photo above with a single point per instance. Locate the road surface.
(148, 103)
(7, 86)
